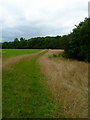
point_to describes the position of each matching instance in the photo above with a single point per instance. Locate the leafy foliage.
(34, 43)
(78, 44)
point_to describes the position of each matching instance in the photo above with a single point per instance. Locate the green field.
(43, 84)
(24, 91)
(6, 53)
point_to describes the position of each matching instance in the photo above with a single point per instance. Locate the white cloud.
(47, 16)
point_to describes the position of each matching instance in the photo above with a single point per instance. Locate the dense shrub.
(79, 42)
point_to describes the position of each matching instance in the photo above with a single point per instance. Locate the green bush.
(79, 42)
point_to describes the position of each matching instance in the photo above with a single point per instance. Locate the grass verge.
(68, 83)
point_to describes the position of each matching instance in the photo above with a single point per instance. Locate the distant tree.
(23, 43)
(16, 43)
(5, 45)
(22, 39)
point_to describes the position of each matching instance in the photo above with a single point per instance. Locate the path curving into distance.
(43, 85)
(24, 92)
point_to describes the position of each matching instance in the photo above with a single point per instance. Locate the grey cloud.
(23, 18)
(32, 31)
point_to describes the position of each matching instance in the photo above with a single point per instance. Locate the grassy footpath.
(6, 53)
(24, 93)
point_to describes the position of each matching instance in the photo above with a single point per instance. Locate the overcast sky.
(33, 18)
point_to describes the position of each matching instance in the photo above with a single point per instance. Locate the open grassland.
(44, 85)
(24, 92)
(6, 53)
(68, 82)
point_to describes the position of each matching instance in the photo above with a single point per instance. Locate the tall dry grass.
(68, 82)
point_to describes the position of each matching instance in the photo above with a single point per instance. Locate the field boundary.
(15, 59)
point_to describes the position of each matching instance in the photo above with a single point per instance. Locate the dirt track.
(6, 63)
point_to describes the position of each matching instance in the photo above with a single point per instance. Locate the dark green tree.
(16, 43)
(79, 43)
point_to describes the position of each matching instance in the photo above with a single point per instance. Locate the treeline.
(35, 43)
(75, 44)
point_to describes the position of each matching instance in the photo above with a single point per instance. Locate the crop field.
(42, 84)
(6, 53)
